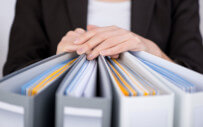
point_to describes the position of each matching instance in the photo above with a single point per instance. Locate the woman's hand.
(66, 44)
(112, 40)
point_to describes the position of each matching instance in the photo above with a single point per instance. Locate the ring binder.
(38, 109)
(136, 90)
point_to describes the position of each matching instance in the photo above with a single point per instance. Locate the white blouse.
(109, 13)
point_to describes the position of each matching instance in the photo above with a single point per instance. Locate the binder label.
(83, 112)
(11, 108)
(11, 115)
(82, 117)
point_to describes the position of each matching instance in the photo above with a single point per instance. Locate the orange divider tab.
(51, 77)
(145, 92)
(123, 80)
(123, 90)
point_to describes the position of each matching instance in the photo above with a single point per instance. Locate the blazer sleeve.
(186, 43)
(28, 42)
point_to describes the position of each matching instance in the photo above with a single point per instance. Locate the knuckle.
(78, 29)
(70, 33)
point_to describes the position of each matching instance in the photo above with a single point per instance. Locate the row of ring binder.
(136, 90)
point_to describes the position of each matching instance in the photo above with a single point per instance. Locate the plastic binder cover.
(188, 106)
(142, 111)
(81, 111)
(28, 111)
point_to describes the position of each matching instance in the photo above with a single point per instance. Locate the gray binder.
(86, 112)
(29, 111)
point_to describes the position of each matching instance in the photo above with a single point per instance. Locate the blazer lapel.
(77, 10)
(141, 14)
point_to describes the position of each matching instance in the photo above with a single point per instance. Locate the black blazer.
(39, 26)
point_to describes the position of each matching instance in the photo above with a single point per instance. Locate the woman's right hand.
(66, 44)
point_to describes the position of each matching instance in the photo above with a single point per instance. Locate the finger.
(89, 34)
(88, 52)
(116, 49)
(98, 39)
(115, 56)
(89, 57)
(66, 42)
(80, 30)
(108, 44)
(70, 48)
(67, 48)
(91, 27)
(70, 36)
(71, 33)
(113, 41)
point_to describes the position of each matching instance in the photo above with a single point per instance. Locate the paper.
(76, 78)
(134, 84)
(192, 76)
(124, 83)
(83, 81)
(143, 88)
(171, 77)
(90, 90)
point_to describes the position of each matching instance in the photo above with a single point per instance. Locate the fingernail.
(81, 51)
(76, 41)
(90, 56)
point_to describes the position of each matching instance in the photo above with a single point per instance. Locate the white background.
(6, 18)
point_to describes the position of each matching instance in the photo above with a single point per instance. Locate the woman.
(166, 28)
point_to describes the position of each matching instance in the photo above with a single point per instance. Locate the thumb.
(91, 27)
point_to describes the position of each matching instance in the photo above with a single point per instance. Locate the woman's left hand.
(112, 40)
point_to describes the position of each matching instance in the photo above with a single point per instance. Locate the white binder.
(142, 111)
(188, 106)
